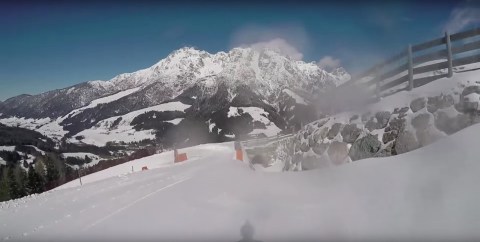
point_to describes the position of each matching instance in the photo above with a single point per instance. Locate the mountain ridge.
(177, 67)
(225, 81)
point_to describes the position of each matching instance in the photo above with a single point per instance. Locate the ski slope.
(429, 194)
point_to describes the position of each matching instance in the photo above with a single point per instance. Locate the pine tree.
(21, 179)
(53, 174)
(31, 180)
(36, 183)
(40, 168)
(42, 174)
(60, 166)
(4, 184)
(13, 188)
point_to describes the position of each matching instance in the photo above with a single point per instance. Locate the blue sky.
(55, 45)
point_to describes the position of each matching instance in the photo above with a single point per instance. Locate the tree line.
(49, 171)
(45, 173)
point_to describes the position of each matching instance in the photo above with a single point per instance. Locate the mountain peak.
(187, 50)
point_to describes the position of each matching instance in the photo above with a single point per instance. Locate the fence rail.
(400, 70)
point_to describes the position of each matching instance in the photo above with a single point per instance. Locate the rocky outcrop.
(394, 128)
(379, 121)
(402, 112)
(450, 125)
(334, 130)
(439, 102)
(365, 147)
(469, 100)
(421, 121)
(405, 142)
(338, 152)
(382, 119)
(319, 148)
(350, 133)
(427, 136)
(387, 151)
(312, 162)
(417, 104)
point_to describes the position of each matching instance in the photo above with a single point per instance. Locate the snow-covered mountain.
(264, 71)
(210, 84)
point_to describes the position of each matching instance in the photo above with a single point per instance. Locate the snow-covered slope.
(428, 194)
(45, 126)
(119, 128)
(258, 115)
(103, 100)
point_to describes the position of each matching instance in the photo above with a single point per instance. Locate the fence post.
(410, 68)
(449, 54)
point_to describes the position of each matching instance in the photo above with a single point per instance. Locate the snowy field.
(428, 194)
(81, 155)
(104, 131)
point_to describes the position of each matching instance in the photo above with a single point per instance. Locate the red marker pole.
(238, 150)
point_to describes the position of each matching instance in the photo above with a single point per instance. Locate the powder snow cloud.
(328, 63)
(280, 45)
(462, 18)
(290, 40)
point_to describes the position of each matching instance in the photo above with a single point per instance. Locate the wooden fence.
(399, 72)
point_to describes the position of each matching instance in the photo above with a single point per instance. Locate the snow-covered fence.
(414, 66)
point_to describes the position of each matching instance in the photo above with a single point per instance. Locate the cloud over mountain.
(290, 40)
(328, 63)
